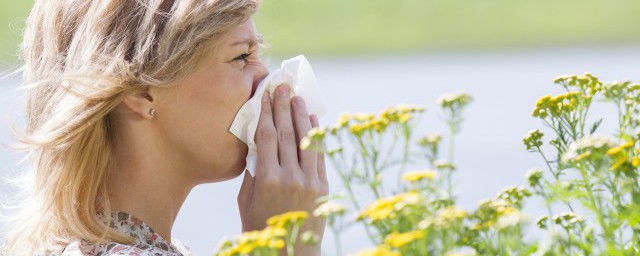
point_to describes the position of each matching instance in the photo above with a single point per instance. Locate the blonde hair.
(80, 59)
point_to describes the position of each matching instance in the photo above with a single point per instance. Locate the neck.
(148, 187)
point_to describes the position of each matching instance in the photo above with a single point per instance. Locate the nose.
(260, 74)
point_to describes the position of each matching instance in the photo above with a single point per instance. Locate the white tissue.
(295, 72)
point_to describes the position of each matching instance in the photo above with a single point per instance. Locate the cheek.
(208, 113)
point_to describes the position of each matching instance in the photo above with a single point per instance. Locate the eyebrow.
(250, 41)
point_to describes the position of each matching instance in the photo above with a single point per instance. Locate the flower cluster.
(568, 219)
(533, 140)
(623, 158)
(534, 176)
(389, 207)
(397, 240)
(490, 212)
(454, 100)
(558, 105)
(270, 240)
(586, 83)
(514, 195)
(444, 219)
(416, 176)
(329, 208)
(592, 148)
(288, 219)
(380, 250)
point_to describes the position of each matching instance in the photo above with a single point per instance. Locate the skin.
(159, 158)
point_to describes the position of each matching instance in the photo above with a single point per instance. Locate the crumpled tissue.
(298, 74)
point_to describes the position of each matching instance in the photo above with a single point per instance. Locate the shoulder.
(111, 249)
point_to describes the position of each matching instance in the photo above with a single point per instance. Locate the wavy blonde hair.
(80, 59)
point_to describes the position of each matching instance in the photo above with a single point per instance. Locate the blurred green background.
(357, 27)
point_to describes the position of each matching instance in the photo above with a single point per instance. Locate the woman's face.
(196, 114)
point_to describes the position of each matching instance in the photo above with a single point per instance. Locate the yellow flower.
(285, 219)
(344, 120)
(452, 213)
(363, 117)
(582, 156)
(618, 149)
(398, 240)
(317, 133)
(356, 129)
(635, 161)
(380, 124)
(385, 208)
(416, 176)
(619, 163)
(380, 250)
(276, 244)
(404, 118)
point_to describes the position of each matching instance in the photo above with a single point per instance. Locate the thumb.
(246, 191)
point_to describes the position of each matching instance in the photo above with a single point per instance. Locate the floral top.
(147, 241)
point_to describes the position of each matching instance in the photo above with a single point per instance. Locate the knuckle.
(295, 184)
(319, 188)
(323, 189)
(283, 105)
(286, 135)
(271, 181)
(266, 134)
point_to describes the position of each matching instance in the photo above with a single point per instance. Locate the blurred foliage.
(338, 27)
(12, 17)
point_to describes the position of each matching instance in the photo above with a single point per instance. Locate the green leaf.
(595, 126)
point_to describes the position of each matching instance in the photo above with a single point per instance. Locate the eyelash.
(242, 57)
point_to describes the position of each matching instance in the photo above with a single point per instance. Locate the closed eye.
(242, 57)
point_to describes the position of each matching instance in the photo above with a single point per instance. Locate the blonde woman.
(128, 108)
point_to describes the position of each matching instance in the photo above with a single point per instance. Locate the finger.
(322, 172)
(245, 196)
(246, 191)
(287, 149)
(308, 158)
(266, 136)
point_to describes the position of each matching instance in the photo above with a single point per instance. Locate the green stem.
(448, 175)
(596, 207)
(555, 175)
(336, 238)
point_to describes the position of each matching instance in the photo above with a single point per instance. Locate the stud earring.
(152, 112)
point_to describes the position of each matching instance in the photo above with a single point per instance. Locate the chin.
(223, 174)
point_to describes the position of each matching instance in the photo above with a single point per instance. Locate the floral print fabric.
(147, 241)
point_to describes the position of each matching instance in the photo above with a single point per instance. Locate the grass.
(339, 27)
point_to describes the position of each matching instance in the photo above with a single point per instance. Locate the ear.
(140, 103)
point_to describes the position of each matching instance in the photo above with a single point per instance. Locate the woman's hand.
(286, 178)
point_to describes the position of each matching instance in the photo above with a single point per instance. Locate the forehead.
(244, 34)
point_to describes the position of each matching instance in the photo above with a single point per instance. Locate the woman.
(128, 108)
